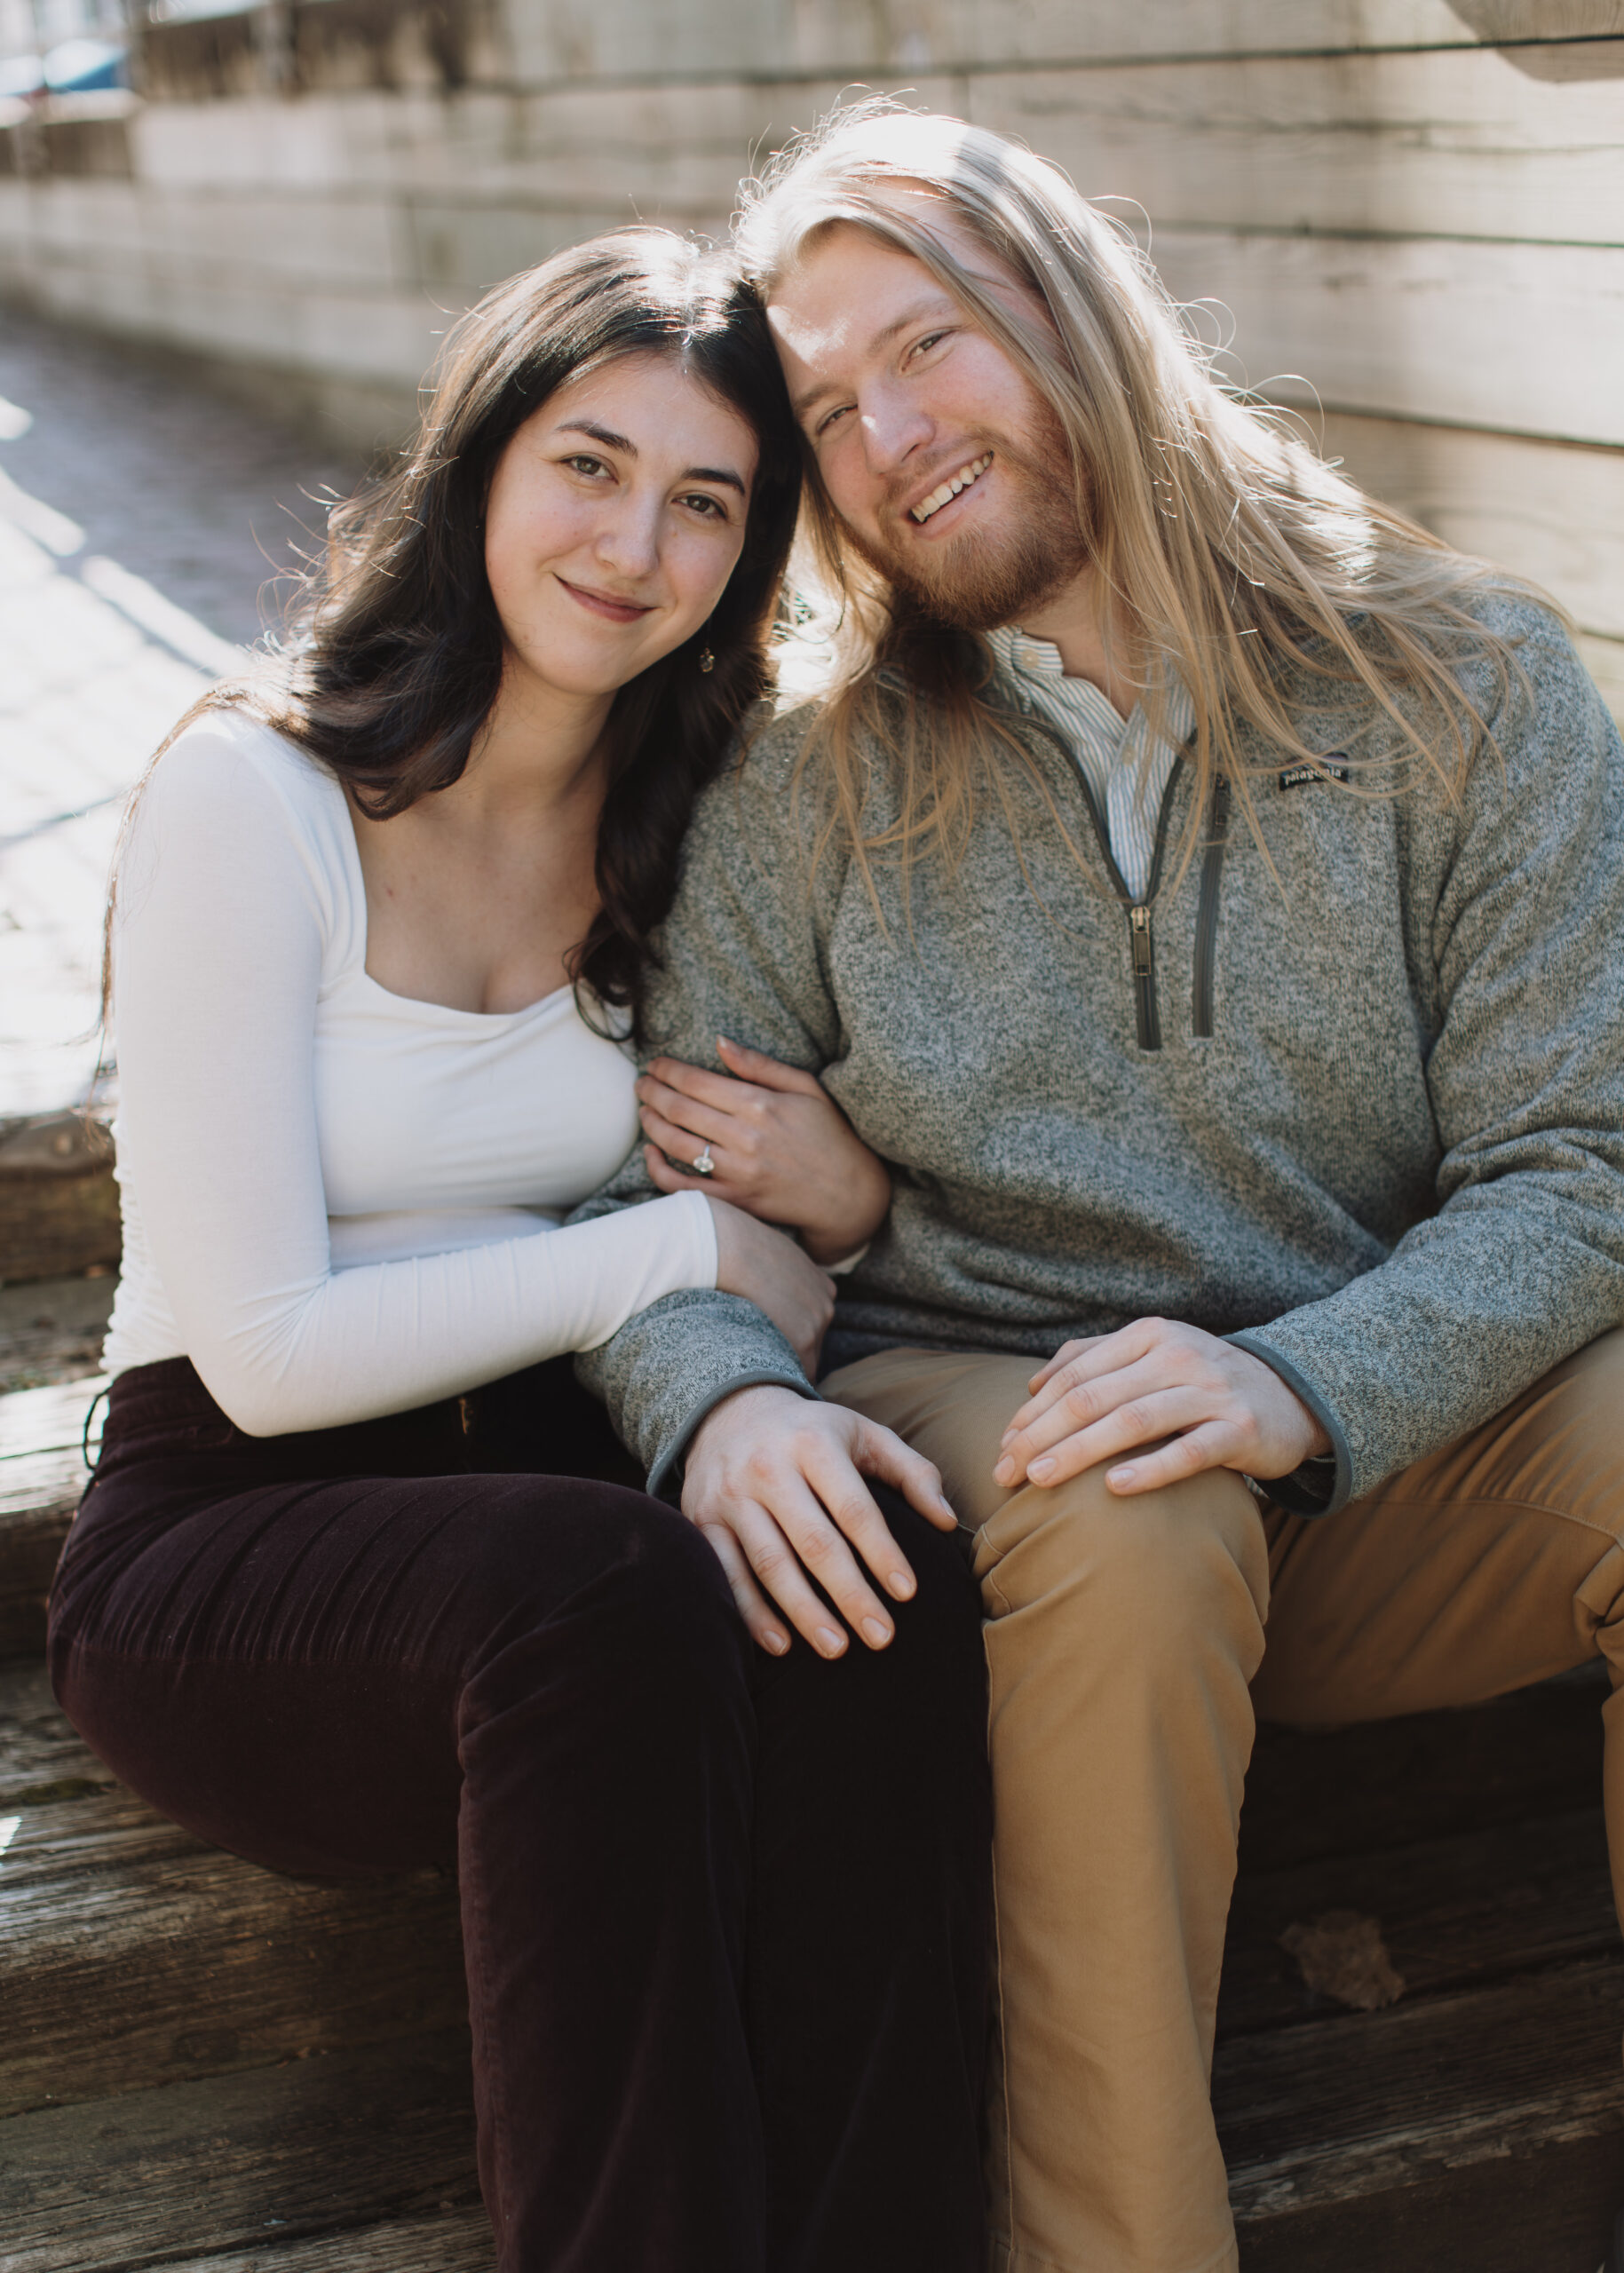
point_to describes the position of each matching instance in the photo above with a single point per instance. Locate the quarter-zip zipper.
(1142, 946)
(1207, 911)
(1141, 919)
(1141, 929)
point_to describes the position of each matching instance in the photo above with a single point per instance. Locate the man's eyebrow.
(936, 303)
(611, 441)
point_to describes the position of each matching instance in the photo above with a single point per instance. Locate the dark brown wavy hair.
(394, 648)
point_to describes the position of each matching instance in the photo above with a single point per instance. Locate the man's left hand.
(1202, 1403)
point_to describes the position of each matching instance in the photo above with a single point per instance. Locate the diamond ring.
(704, 1165)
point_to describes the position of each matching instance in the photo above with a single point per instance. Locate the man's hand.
(1216, 1406)
(775, 1483)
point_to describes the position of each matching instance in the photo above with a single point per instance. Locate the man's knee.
(1570, 1449)
(1145, 1572)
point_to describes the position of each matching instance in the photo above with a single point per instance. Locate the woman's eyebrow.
(611, 441)
(724, 474)
(607, 435)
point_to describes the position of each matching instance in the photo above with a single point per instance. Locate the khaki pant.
(1125, 1644)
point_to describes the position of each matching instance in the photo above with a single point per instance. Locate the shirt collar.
(1035, 666)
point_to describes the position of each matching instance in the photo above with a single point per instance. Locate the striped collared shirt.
(1123, 763)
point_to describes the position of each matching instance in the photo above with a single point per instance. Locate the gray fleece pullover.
(1367, 1120)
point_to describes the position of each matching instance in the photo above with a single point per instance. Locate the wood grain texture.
(1518, 337)
(53, 1330)
(1521, 19)
(38, 1425)
(43, 1475)
(625, 38)
(30, 1541)
(1315, 1796)
(162, 2177)
(41, 1759)
(1547, 2212)
(1550, 512)
(974, 31)
(132, 1955)
(1476, 1908)
(453, 2241)
(764, 39)
(1447, 144)
(1362, 2129)
(1443, 144)
(1453, 2080)
(50, 1226)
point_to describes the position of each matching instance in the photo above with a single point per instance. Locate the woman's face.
(614, 519)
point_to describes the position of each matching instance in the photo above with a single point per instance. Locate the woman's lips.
(605, 604)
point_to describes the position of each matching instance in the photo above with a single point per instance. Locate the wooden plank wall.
(1416, 236)
(1424, 247)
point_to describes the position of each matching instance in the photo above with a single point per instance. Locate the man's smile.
(955, 485)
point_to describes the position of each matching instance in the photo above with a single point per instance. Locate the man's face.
(948, 469)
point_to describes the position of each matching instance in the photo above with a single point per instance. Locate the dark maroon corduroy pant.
(725, 1916)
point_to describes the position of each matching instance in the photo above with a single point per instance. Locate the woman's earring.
(707, 661)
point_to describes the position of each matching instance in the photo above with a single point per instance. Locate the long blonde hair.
(1231, 549)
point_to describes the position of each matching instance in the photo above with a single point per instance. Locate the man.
(1208, 893)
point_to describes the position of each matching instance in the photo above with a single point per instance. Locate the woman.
(349, 1591)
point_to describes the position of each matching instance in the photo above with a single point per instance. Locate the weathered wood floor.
(207, 2069)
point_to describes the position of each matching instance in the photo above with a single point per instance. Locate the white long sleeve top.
(338, 1202)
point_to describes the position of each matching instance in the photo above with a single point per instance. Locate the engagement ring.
(704, 1165)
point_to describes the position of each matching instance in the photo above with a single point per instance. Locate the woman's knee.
(931, 1678)
(614, 1590)
(946, 1607)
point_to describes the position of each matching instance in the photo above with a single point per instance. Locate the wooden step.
(1315, 1793)
(58, 1203)
(53, 1329)
(42, 1477)
(361, 2159)
(1478, 2123)
(130, 1955)
(1483, 2131)
(42, 1760)
(454, 2242)
(1453, 1913)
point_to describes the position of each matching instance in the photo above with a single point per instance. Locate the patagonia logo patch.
(1331, 767)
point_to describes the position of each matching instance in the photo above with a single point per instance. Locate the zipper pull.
(1140, 940)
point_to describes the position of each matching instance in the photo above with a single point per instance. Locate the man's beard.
(984, 577)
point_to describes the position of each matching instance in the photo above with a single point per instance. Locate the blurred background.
(230, 241)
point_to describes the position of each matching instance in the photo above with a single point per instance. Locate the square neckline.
(363, 927)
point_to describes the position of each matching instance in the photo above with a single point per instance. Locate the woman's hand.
(783, 1148)
(768, 1268)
